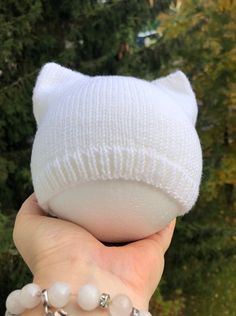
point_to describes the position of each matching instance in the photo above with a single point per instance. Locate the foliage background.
(102, 37)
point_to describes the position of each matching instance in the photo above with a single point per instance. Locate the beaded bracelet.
(57, 297)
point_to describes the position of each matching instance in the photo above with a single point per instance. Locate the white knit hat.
(115, 127)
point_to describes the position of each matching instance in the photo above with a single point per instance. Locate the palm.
(137, 265)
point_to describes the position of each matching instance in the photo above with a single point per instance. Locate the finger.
(30, 207)
(26, 221)
(164, 237)
(26, 218)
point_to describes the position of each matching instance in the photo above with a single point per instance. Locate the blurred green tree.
(199, 38)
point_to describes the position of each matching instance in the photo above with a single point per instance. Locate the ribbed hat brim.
(105, 163)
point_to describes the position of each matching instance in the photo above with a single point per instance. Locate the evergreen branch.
(19, 80)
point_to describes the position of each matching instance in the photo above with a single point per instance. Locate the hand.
(58, 250)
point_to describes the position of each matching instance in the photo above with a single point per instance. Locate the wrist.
(79, 276)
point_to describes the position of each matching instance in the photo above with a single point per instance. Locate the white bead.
(59, 294)
(13, 304)
(88, 297)
(120, 305)
(144, 313)
(30, 295)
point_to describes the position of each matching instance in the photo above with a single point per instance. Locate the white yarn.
(115, 127)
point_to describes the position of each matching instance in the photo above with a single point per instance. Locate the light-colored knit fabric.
(115, 127)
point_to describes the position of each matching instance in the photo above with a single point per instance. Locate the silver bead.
(135, 312)
(45, 300)
(104, 300)
(60, 313)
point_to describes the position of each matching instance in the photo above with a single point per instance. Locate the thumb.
(164, 237)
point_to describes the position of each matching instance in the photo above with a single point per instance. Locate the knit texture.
(115, 127)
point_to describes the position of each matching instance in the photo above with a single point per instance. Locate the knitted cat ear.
(178, 86)
(52, 77)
